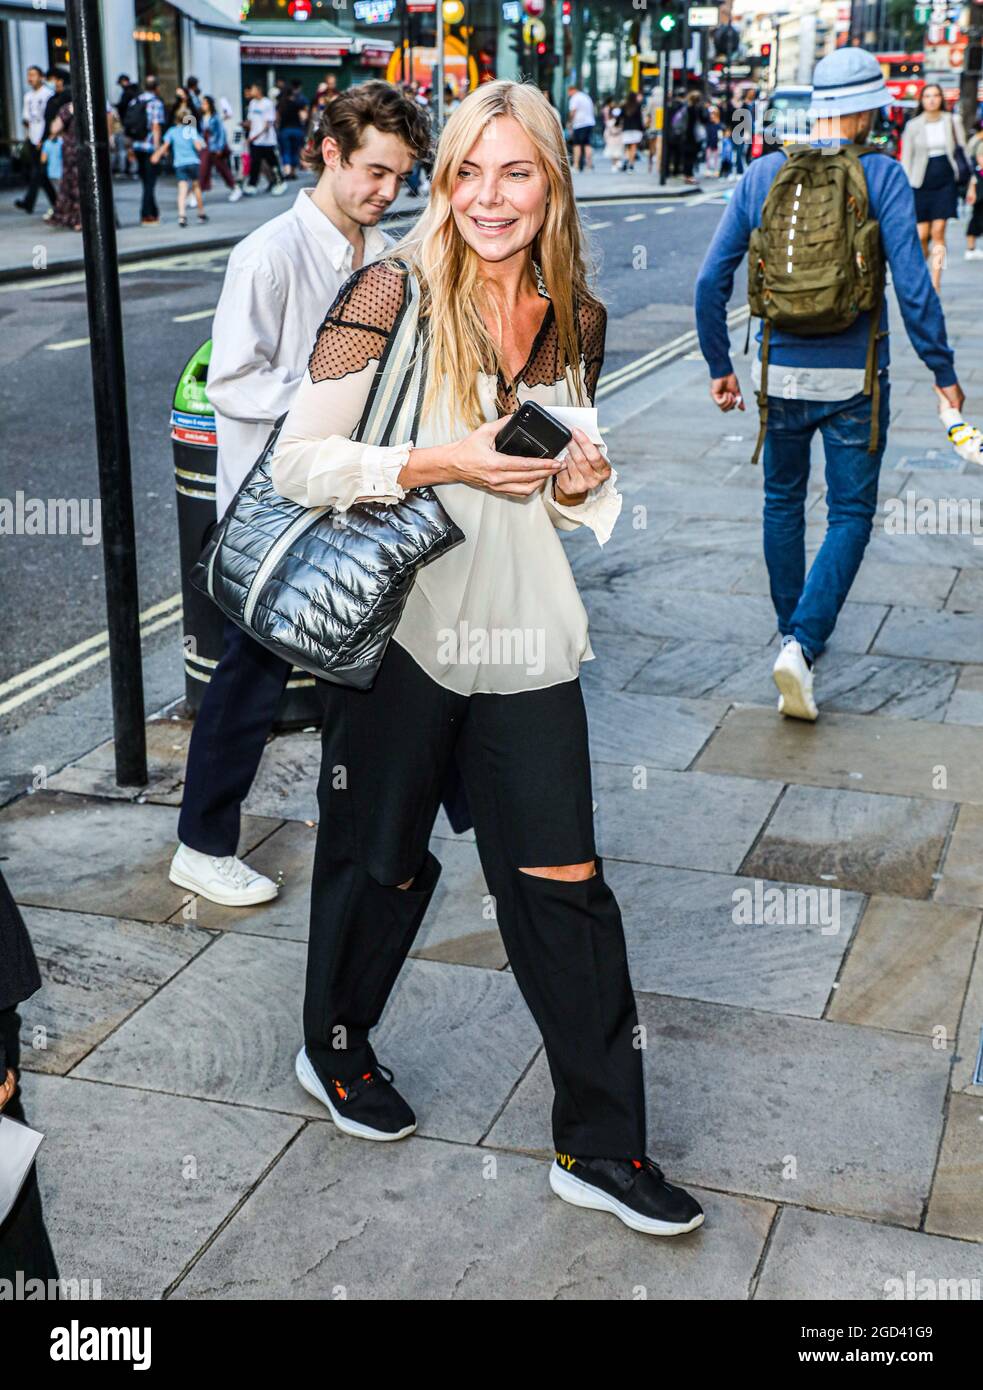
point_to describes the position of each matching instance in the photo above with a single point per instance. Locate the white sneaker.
(794, 680)
(974, 255)
(235, 195)
(220, 878)
(249, 191)
(278, 190)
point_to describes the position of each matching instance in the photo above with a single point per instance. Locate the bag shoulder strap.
(398, 368)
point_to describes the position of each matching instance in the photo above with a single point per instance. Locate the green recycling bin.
(195, 462)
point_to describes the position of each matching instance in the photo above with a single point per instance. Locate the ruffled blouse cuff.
(599, 510)
(346, 471)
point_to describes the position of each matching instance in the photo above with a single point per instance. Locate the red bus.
(904, 74)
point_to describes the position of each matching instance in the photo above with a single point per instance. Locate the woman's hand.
(476, 461)
(7, 1087)
(583, 468)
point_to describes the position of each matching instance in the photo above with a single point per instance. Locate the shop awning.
(271, 41)
(208, 19)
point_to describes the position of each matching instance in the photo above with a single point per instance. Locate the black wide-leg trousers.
(525, 766)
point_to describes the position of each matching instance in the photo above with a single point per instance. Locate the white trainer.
(235, 195)
(220, 878)
(249, 190)
(793, 677)
(278, 190)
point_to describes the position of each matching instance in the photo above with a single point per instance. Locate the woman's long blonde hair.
(449, 270)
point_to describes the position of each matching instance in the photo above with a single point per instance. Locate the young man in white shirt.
(35, 100)
(280, 282)
(263, 147)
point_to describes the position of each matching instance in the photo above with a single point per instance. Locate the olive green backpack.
(815, 262)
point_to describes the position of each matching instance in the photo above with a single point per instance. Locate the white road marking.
(662, 212)
(596, 226)
(636, 217)
(69, 343)
(198, 314)
(658, 357)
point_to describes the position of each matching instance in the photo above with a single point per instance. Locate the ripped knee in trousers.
(567, 873)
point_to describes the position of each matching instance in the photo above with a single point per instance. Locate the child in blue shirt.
(185, 146)
(51, 158)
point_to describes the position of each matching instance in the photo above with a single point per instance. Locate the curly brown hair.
(369, 104)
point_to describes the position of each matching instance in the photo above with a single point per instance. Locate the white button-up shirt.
(280, 282)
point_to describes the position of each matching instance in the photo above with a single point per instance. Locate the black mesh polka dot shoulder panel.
(356, 327)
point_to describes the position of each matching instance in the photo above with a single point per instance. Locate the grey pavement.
(30, 246)
(802, 905)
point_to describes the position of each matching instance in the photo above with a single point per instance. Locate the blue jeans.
(807, 608)
(291, 144)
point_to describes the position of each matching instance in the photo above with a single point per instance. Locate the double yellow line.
(650, 361)
(66, 665)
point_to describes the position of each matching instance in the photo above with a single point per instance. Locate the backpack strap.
(763, 390)
(872, 378)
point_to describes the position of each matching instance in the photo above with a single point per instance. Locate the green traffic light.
(667, 23)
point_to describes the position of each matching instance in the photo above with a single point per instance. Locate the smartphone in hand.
(532, 433)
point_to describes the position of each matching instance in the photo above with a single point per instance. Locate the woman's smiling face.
(500, 190)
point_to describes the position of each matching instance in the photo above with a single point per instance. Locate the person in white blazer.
(928, 157)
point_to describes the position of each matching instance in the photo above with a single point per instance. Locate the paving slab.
(966, 703)
(961, 878)
(845, 681)
(689, 935)
(853, 839)
(96, 971)
(967, 1066)
(134, 1182)
(966, 595)
(834, 1258)
(461, 927)
(956, 1207)
(94, 774)
(371, 1230)
(625, 605)
(655, 817)
(908, 967)
(896, 756)
(99, 856)
(654, 730)
(921, 586)
(229, 1026)
(738, 1099)
(286, 782)
(932, 636)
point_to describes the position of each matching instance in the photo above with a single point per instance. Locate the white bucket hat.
(846, 81)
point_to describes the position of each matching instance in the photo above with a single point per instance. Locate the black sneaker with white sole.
(635, 1190)
(368, 1107)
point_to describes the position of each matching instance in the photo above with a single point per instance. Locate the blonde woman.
(499, 259)
(928, 156)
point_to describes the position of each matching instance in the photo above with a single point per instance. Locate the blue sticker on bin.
(978, 1073)
(192, 422)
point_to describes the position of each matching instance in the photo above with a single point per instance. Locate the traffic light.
(667, 23)
(766, 50)
(541, 48)
(517, 43)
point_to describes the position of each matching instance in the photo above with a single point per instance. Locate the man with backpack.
(143, 122)
(818, 222)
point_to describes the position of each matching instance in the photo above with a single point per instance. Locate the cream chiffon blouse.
(499, 613)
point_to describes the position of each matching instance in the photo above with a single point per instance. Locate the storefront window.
(157, 33)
